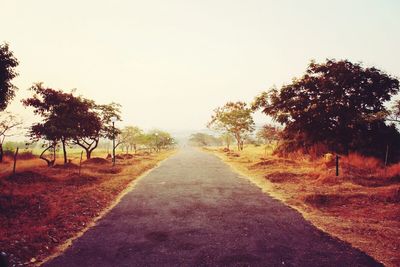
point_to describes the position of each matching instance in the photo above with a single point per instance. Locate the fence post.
(387, 153)
(80, 163)
(337, 165)
(15, 160)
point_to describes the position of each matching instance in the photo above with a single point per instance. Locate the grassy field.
(361, 206)
(42, 208)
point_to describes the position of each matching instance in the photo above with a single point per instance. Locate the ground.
(360, 206)
(41, 207)
(193, 210)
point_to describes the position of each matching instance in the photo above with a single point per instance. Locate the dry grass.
(361, 206)
(41, 208)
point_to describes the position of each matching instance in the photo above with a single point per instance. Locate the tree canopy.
(336, 103)
(69, 119)
(8, 63)
(235, 118)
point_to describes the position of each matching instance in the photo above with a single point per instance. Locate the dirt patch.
(373, 181)
(124, 156)
(391, 195)
(28, 177)
(270, 162)
(280, 177)
(328, 200)
(144, 153)
(110, 170)
(26, 155)
(83, 179)
(97, 161)
(233, 154)
(31, 206)
(334, 200)
(68, 165)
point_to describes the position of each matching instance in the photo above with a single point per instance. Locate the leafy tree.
(132, 137)
(269, 134)
(71, 119)
(227, 138)
(394, 114)
(8, 122)
(336, 103)
(157, 140)
(56, 108)
(8, 63)
(234, 118)
(95, 123)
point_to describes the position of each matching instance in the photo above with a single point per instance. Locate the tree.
(227, 138)
(8, 63)
(132, 136)
(68, 119)
(394, 113)
(8, 122)
(235, 118)
(269, 134)
(58, 110)
(43, 131)
(336, 103)
(95, 123)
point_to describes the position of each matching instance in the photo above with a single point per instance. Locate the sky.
(170, 63)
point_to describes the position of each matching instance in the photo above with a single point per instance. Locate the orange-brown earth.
(361, 206)
(41, 207)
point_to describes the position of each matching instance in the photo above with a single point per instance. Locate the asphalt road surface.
(193, 210)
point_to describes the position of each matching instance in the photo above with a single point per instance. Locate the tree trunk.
(64, 151)
(134, 147)
(1, 153)
(49, 162)
(88, 153)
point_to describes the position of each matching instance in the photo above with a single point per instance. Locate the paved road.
(194, 210)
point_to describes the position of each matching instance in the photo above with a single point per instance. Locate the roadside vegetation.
(63, 176)
(341, 114)
(41, 208)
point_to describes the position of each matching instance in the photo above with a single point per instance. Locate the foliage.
(69, 119)
(269, 134)
(8, 123)
(337, 103)
(99, 125)
(203, 139)
(158, 139)
(227, 139)
(8, 63)
(132, 136)
(394, 115)
(234, 118)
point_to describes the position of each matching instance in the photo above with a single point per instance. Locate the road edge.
(274, 195)
(59, 250)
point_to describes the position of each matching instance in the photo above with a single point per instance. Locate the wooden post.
(387, 153)
(15, 160)
(80, 163)
(337, 165)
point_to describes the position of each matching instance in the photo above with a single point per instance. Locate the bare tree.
(8, 123)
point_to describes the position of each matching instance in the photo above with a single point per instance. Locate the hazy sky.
(170, 63)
